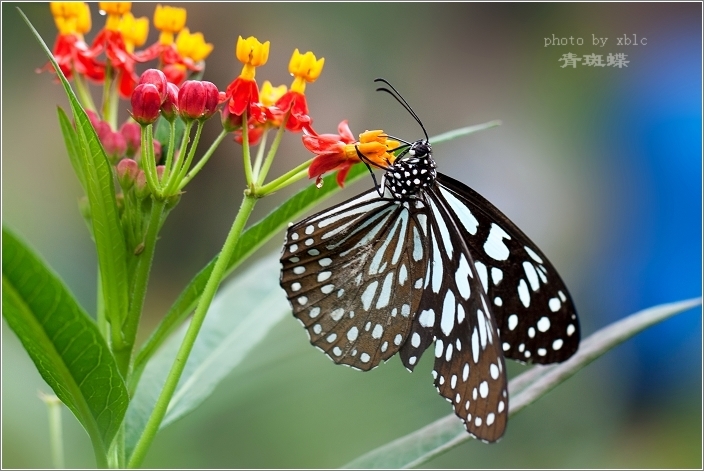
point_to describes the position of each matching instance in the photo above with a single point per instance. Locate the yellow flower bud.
(83, 20)
(134, 30)
(251, 52)
(168, 18)
(115, 8)
(269, 94)
(193, 45)
(306, 66)
(64, 9)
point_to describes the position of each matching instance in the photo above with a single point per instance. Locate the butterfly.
(423, 258)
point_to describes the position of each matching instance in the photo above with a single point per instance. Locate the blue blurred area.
(654, 253)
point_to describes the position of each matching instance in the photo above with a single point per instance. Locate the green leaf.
(250, 240)
(71, 141)
(100, 189)
(253, 238)
(432, 440)
(64, 343)
(242, 313)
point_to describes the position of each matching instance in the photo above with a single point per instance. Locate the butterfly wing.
(469, 367)
(534, 312)
(352, 276)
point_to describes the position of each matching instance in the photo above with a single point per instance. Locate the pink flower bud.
(132, 132)
(157, 78)
(212, 99)
(127, 172)
(191, 99)
(146, 102)
(169, 108)
(115, 146)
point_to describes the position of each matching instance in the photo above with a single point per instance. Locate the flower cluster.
(271, 107)
(169, 91)
(117, 41)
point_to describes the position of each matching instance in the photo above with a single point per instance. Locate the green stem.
(170, 154)
(172, 187)
(184, 351)
(178, 160)
(260, 154)
(286, 179)
(148, 162)
(245, 152)
(84, 93)
(203, 160)
(141, 280)
(107, 85)
(53, 407)
(272, 150)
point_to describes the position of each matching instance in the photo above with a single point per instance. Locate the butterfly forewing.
(350, 274)
(533, 310)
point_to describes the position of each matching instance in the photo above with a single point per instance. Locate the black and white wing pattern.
(532, 307)
(354, 275)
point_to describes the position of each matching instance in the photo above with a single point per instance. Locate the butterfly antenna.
(402, 101)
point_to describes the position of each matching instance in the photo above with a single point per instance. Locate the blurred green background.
(601, 167)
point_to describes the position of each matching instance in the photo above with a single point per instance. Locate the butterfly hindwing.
(469, 367)
(350, 276)
(535, 315)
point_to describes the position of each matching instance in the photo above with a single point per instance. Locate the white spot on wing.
(385, 295)
(494, 245)
(462, 277)
(447, 321)
(523, 293)
(554, 304)
(427, 318)
(497, 275)
(531, 275)
(533, 255)
(352, 334)
(512, 321)
(543, 324)
(368, 294)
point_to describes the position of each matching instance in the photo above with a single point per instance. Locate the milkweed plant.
(133, 174)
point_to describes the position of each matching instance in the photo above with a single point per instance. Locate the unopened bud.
(146, 103)
(132, 132)
(169, 108)
(127, 172)
(115, 146)
(157, 78)
(212, 99)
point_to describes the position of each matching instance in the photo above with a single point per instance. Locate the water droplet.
(319, 182)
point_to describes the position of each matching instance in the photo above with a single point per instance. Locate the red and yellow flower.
(71, 52)
(341, 151)
(243, 92)
(305, 68)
